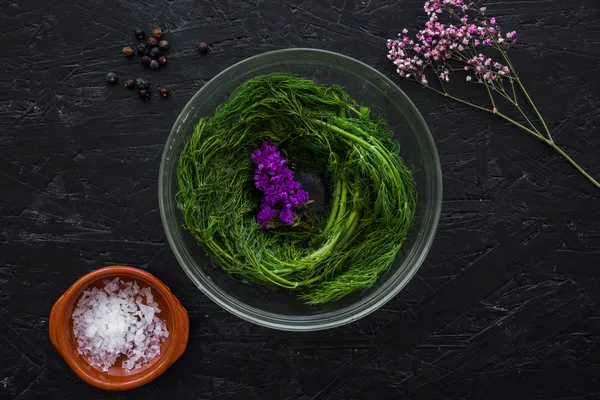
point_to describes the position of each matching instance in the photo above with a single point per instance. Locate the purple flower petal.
(266, 215)
(286, 216)
(276, 181)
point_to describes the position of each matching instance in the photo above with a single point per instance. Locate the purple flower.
(276, 181)
(286, 216)
(266, 215)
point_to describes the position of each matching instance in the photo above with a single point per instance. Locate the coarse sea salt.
(119, 319)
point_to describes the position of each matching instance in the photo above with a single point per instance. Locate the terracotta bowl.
(60, 327)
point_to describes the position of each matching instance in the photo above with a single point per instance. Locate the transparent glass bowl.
(280, 309)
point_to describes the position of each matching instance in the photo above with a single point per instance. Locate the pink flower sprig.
(459, 36)
(438, 43)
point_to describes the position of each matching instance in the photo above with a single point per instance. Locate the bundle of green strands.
(319, 129)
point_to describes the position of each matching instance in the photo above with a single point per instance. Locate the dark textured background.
(507, 305)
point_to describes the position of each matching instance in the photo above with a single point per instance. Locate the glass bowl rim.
(328, 319)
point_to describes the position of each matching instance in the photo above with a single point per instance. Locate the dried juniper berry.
(112, 78)
(142, 49)
(164, 92)
(164, 45)
(145, 60)
(203, 48)
(129, 83)
(154, 52)
(154, 64)
(144, 94)
(152, 41)
(139, 34)
(157, 33)
(141, 83)
(128, 51)
(162, 60)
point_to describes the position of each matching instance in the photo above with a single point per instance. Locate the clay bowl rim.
(172, 349)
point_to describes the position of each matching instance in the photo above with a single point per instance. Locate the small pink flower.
(440, 40)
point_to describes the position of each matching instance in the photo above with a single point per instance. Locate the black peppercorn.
(129, 83)
(142, 49)
(152, 41)
(139, 34)
(112, 78)
(154, 64)
(162, 60)
(203, 48)
(145, 60)
(128, 51)
(164, 92)
(141, 83)
(155, 52)
(164, 45)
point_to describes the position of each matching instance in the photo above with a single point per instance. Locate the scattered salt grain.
(119, 319)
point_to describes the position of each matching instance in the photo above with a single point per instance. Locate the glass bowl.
(280, 309)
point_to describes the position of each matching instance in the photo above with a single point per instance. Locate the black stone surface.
(505, 307)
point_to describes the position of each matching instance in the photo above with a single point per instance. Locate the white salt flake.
(147, 312)
(114, 320)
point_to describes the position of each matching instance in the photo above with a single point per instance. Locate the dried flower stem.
(573, 163)
(439, 46)
(534, 133)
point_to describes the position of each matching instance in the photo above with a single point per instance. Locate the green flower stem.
(367, 146)
(534, 107)
(491, 96)
(350, 228)
(337, 188)
(342, 210)
(516, 78)
(573, 163)
(323, 251)
(512, 121)
(445, 94)
(537, 135)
